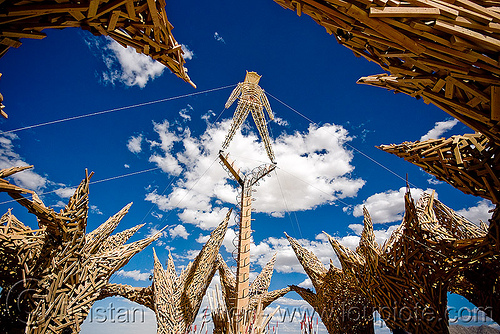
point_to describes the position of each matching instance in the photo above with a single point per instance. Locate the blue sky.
(161, 156)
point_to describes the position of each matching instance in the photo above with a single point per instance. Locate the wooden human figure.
(252, 99)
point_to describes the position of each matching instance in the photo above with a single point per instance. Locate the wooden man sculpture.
(251, 99)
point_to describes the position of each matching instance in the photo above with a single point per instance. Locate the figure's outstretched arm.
(265, 103)
(234, 95)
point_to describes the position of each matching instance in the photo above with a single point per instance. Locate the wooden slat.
(417, 12)
(495, 103)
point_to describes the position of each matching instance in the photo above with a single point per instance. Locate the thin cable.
(95, 182)
(192, 187)
(117, 109)
(347, 144)
(219, 115)
(295, 176)
(286, 205)
(163, 192)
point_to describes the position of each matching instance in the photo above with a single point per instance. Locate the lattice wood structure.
(2, 113)
(253, 321)
(480, 283)
(246, 183)
(231, 318)
(470, 163)
(141, 24)
(252, 99)
(445, 52)
(51, 276)
(176, 299)
(408, 277)
(337, 299)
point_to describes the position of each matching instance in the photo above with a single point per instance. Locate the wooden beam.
(113, 20)
(474, 36)
(495, 103)
(94, 4)
(417, 12)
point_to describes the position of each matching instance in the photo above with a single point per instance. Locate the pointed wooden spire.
(469, 162)
(61, 267)
(337, 298)
(176, 299)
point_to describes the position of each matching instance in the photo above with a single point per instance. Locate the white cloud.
(439, 129)
(125, 65)
(135, 274)
(434, 181)
(65, 192)
(154, 229)
(188, 53)
(9, 158)
(207, 115)
(307, 283)
(314, 168)
(165, 160)
(219, 38)
(281, 122)
(94, 209)
(477, 213)
(134, 144)
(387, 206)
(178, 231)
(184, 113)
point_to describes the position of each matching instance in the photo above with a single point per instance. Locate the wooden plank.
(385, 29)
(113, 20)
(94, 4)
(474, 36)
(477, 8)
(495, 103)
(10, 42)
(445, 10)
(43, 9)
(154, 13)
(417, 12)
(21, 34)
(109, 7)
(129, 5)
(78, 15)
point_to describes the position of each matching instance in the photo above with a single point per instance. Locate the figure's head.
(252, 77)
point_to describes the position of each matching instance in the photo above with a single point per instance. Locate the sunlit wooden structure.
(470, 163)
(246, 183)
(479, 283)
(337, 299)
(252, 99)
(141, 24)
(2, 113)
(445, 52)
(252, 321)
(51, 276)
(407, 278)
(176, 299)
(228, 316)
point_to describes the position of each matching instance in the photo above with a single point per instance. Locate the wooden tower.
(252, 99)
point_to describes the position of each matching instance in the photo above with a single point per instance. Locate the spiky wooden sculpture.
(176, 299)
(50, 277)
(469, 163)
(141, 24)
(259, 297)
(337, 298)
(407, 279)
(445, 52)
(251, 99)
(478, 281)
